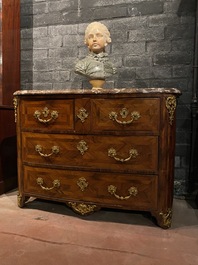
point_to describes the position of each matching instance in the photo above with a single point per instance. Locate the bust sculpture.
(96, 65)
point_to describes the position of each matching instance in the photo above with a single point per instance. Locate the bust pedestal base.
(97, 83)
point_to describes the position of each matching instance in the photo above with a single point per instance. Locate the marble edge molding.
(98, 91)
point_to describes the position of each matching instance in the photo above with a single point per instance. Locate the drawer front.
(47, 115)
(132, 191)
(126, 114)
(133, 153)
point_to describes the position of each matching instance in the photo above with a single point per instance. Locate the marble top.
(99, 91)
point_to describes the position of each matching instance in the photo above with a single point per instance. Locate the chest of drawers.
(93, 149)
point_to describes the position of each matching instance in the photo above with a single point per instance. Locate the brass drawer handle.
(132, 191)
(45, 113)
(133, 153)
(55, 150)
(56, 184)
(135, 115)
(82, 114)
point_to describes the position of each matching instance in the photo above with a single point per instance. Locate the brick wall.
(152, 46)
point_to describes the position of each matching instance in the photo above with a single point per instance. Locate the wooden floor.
(50, 233)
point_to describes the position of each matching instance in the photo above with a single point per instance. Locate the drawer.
(47, 115)
(119, 190)
(122, 115)
(129, 153)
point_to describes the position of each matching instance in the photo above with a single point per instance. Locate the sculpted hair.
(99, 26)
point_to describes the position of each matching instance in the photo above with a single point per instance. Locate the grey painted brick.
(154, 33)
(100, 3)
(162, 71)
(26, 9)
(183, 137)
(158, 46)
(39, 77)
(51, 42)
(40, 65)
(26, 1)
(26, 44)
(169, 83)
(26, 55)
(184, 124)
(179, 32)
(48, 19)
(69, 63)
(182, 71)
(26, 22)
(63, 30)
(163, 20)
(27, 86)
(116, 60)
(127, 73)
(82, 51)
(172, 58)
(135, 61)
(73, 17)
(153, 72)
(40, 32)
(88, 15)
(63, 52)
(39, 54)
(67, 85)
(182, 110)
(119, 36)
(27, 77)
(54, 64)
(63, 6)
(177, 162)
(126, 24)
(60, 76)
(26, 66)
(183, 45)
(133, 48)
(133, 83)
(186, 160)
(146, 8)
(42, 86)
(27, 33)
(72, 40)
(180, 7)
(144, 73)
(188, 20)
(40, 8)
(186, 98)
(182, 149)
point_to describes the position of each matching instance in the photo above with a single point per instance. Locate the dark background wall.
(152, 46)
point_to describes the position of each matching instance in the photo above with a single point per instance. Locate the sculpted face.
(97, 37)
(96, 41)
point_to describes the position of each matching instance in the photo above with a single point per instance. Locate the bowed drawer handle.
(135, 115)
(55, 150)
(133, 153)
(132, 191)
(45, 113)
(56, 184)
